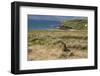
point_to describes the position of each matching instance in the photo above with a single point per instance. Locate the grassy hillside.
(78, 24)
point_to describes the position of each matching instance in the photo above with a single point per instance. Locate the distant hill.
(78, 24)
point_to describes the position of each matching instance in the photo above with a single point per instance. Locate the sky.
(53, 18)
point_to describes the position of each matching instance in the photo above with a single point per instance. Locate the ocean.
(42, 24)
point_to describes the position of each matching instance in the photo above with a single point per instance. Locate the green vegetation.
(78, 24)
(72, 39)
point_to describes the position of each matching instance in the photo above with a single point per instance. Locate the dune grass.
(75, 41)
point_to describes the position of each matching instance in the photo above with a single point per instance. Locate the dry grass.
(43, 53)
(50, 45)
